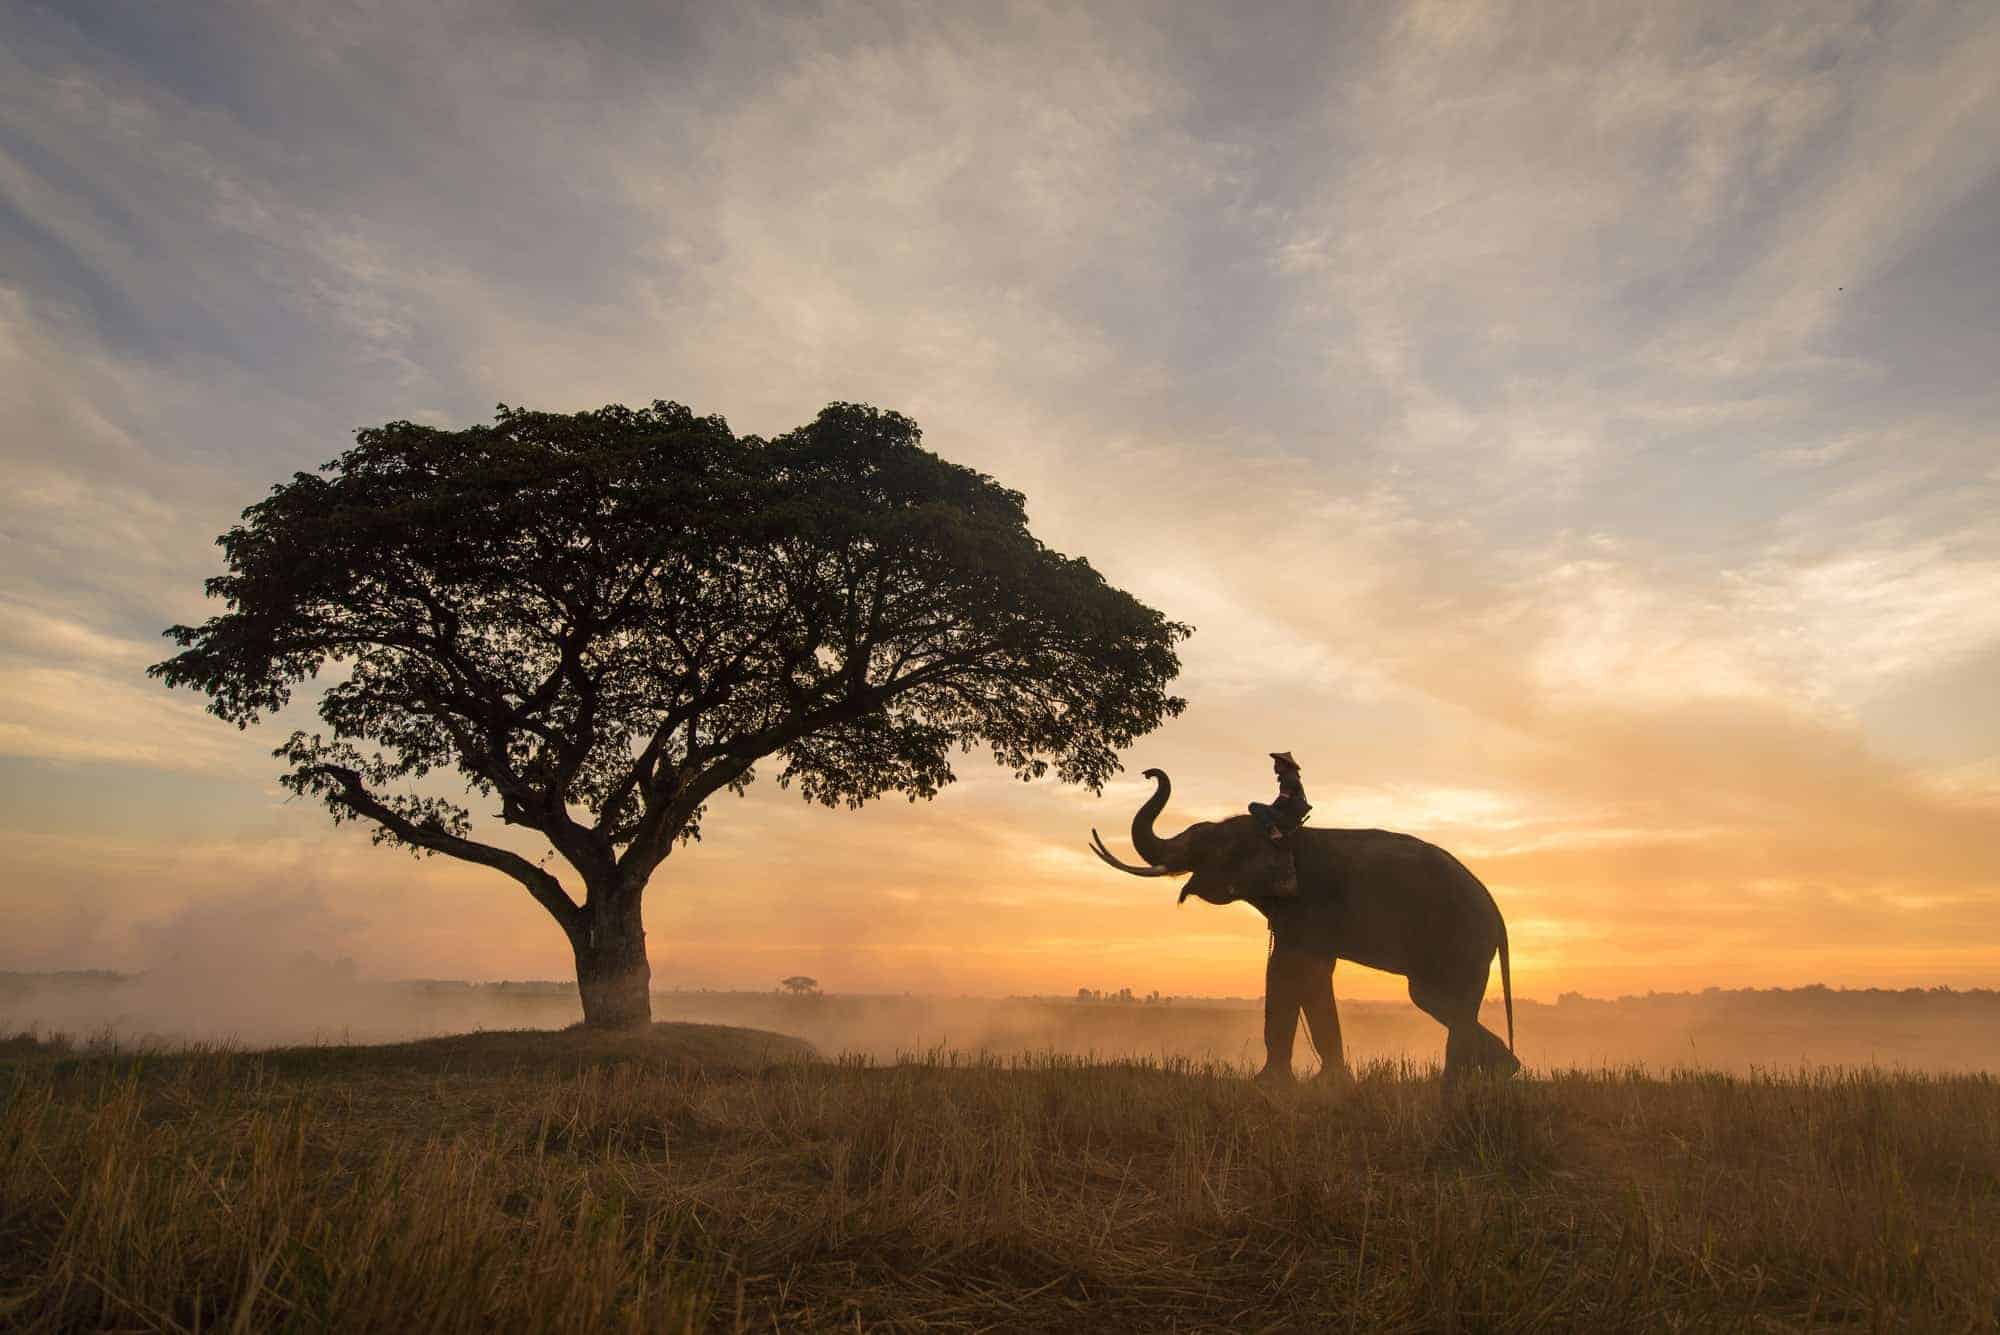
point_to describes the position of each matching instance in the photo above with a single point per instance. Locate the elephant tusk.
(1097, 847)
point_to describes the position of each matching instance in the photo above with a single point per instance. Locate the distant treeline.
(1813, 997)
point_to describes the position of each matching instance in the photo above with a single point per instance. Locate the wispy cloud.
(1570, 432)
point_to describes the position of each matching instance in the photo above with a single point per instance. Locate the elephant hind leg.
(1444, 1005)
(1469, 1045)
(1494, 1054)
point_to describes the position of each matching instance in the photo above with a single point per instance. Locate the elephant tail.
(1507, 984)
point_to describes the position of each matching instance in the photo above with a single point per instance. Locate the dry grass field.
(701, 1178)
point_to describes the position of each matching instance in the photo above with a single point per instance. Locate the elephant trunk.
(1157, 851)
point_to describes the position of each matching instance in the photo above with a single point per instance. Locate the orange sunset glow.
(1574, 443)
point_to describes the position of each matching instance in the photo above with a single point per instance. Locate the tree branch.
(354, 795)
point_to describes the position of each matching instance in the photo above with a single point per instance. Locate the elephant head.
(1229, 859)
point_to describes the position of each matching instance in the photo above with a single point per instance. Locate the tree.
(604, 620)
(799, 985)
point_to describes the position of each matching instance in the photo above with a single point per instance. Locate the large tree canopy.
(604, 619)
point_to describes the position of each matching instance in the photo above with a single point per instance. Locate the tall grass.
(202, 1194)
(323, 1191)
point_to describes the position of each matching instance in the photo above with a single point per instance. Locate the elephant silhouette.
(1389, 901)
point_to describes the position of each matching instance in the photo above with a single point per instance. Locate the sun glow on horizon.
(1575, 442)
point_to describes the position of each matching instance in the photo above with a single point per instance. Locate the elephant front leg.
(1323, 1024)
(1286, 977)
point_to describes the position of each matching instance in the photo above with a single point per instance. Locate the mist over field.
(306, 1001)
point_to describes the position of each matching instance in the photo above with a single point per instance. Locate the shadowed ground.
(693, 1177)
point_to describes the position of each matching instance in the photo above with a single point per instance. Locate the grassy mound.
(713, 1048)
(686, 1048)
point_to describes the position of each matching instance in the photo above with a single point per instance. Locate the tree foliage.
(602, 620)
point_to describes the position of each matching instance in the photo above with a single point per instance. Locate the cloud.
(1516, 405)
(55, 714)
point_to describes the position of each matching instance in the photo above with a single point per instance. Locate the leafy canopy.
(603, 619)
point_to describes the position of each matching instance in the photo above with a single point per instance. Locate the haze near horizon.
(1573, 440)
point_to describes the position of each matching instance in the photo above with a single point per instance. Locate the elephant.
(1389, 901)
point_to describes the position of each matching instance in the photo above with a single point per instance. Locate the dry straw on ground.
(698, 1178)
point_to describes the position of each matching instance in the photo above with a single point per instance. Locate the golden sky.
(1572, 438)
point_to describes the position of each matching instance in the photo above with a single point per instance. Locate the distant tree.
(799, 985)
(605, 619)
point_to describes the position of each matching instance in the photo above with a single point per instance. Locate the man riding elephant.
(1279, 818)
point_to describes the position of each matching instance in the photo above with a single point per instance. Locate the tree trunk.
(611, 968)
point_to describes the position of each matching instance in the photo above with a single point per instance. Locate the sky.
(1572, 431)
